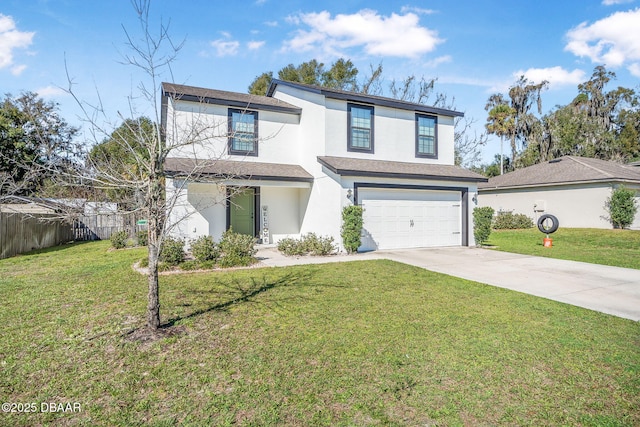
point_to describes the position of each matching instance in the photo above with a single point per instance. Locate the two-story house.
(287, 163)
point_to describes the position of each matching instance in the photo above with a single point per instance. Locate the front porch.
(268, 201)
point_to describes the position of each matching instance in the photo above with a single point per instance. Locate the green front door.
(242, 212)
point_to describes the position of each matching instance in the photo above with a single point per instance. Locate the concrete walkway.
(611, 290)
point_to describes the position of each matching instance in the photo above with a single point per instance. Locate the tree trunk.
(156, 227)
(153, 297)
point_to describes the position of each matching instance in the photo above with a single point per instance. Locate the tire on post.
(548, 223)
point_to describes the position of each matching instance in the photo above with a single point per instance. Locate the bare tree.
(147, 146)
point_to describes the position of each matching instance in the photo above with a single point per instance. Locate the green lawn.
(362, 343)
(619, 248)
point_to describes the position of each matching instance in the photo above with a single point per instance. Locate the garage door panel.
(405, 219)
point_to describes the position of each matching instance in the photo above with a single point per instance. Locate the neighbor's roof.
(565, 170)
(382, 168)
(363, 98)
(234, 99)
(233, 169)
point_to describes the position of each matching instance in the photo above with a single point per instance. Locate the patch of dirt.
(148, 336)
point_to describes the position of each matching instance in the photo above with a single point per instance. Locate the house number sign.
(265, 225)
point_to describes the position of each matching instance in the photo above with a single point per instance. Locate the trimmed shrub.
(622, 207)
(172, 251)
(204, 248)
(318, 245)
(119, 239)
(482, 224)
(506, 220)
(309, 244)
(143, 237)
(292, 247)
(351, 228)
(236, 249)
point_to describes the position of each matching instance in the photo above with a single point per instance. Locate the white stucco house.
(574, 189)
(287, 163)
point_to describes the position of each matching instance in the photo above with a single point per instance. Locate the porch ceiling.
(233, 170)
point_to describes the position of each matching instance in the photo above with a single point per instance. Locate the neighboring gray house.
(574, 189)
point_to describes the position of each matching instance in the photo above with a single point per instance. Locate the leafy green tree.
(493, 169)
(597, 123)
(342, 75)
(526, 125)
(260, 84)
(122, 154)
(34, 141)
(622, 207)
(501, 122)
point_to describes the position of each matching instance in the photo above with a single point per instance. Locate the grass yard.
(363, 343)
(619, 248)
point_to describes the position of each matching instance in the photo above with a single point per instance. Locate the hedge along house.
(574, 189)
(286, 164)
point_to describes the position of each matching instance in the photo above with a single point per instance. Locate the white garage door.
(396, 219)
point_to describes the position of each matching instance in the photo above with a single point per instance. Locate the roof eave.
(234, 103)
(366, 99)
(375, 174)
(560, 183)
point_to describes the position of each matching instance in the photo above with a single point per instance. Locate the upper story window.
(426, 136)
(360, 131)
(243, 132)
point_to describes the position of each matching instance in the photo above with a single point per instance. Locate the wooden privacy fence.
(102, 226)
(21, 233)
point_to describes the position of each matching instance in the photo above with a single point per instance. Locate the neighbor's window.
(426, 136)
(360, 128)
(243, 132)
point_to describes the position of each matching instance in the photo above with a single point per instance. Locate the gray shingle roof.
(382, 168)
(235, 99)
(568, 169)
(233, 169)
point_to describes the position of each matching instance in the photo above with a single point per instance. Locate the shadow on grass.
(55, 248)
(238, 292)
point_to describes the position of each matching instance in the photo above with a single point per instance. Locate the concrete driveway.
(611, 290)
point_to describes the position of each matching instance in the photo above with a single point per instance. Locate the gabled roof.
(222, 97)
(347, 166)
(233, 169)
(565, 170)
(362, 98)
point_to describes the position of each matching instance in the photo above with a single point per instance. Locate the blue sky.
(474, 48)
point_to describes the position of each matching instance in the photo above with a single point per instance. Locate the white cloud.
(556, 76)
(613, 41)
(11, 39)
(394, 35)
(271, 23)
(226, 47)
(634, 69)
(437, 61)
(51, 92)
(255, 45)
(612, 2)
(18, 69)
(418, 10)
